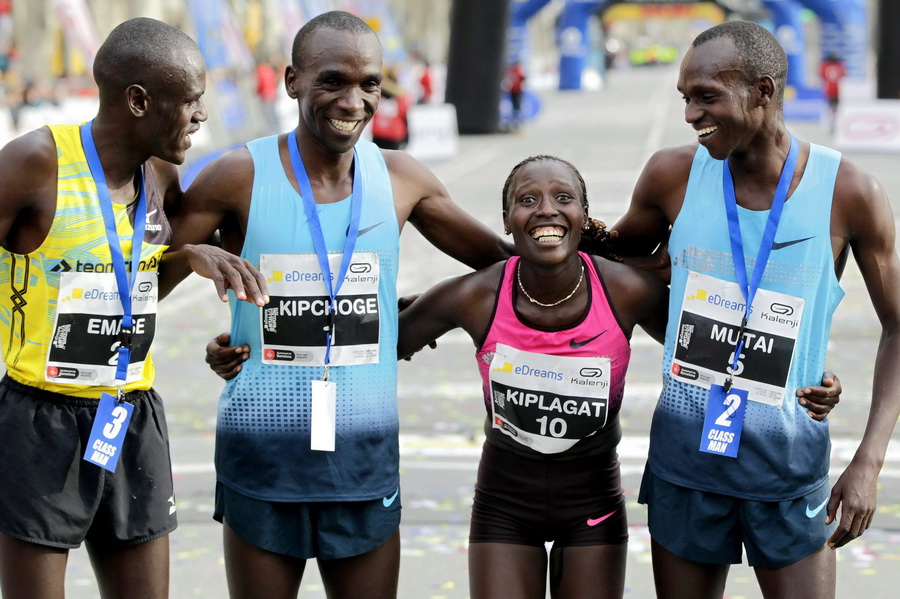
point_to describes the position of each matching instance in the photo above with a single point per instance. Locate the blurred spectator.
(389, 127)
(514, 83)
(6, 30)
(832, 71)
(425, 84)
(267, 91)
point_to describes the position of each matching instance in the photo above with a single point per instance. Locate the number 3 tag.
(724, 421)
(108, 432)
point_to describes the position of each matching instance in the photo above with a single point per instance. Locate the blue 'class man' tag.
(724, 421)
(108, 432)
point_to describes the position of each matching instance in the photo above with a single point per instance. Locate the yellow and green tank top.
(59, 307)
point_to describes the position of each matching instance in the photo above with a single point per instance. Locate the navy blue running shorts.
(710, 528)
(322, 530)
(530, 501)
(51, 496)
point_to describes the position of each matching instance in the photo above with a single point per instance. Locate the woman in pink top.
(551, 327)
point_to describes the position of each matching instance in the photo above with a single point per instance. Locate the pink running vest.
(597, 334)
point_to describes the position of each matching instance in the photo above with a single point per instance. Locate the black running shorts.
(51, 496)
(323, 530)
(531, 501)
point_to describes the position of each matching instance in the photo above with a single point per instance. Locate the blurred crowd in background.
(46, 48)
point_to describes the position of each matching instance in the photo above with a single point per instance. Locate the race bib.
(708, 330)
(86, 333)
(548, 403)
(293, 324)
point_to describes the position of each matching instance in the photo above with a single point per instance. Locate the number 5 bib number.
(108, 432)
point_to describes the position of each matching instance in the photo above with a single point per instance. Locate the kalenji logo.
(591, 372)
(782, 309)
(359, 268)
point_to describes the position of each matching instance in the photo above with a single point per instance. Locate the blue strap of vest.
(749, 288)
(124, 282)
(315, 228)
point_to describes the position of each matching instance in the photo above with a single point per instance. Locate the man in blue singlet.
(307, 433)
(754, 284)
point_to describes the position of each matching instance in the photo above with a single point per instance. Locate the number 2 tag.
(724, 421)
(108, 432)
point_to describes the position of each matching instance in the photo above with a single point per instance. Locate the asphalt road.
(608, 134)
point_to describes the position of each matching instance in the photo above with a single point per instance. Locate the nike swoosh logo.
(780, 245)
(387, 501)
(596, 521)
(579, 344)
(815, 512)
(367, 229)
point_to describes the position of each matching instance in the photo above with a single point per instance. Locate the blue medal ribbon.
(749, 288)
(315, 227)
(124, 282)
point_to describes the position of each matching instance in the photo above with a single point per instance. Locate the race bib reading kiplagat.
(548, 403)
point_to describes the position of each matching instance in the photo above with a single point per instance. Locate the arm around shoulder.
(465, 301)
(218, 199)
(638, 297)
(655, 202)
(420, 198)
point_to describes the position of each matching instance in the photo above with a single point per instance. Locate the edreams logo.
(526, 370)
(717, 300)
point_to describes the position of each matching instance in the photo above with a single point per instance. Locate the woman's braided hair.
(595, 237)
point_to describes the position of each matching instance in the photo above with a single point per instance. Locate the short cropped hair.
(335, 19)
(759, 51)
(140, 51)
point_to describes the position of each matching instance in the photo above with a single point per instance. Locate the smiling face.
(723, 107)
(545, 211)
(338, 86)
(176, 109)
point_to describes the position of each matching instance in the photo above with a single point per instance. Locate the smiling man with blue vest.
(762, 225)
(307, 434)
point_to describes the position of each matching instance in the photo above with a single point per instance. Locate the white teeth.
(547, 234)
(344, 125)
(705, 131)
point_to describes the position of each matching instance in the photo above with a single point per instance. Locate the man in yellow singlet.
(83, 230)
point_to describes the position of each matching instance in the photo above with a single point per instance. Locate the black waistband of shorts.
(7, 382)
